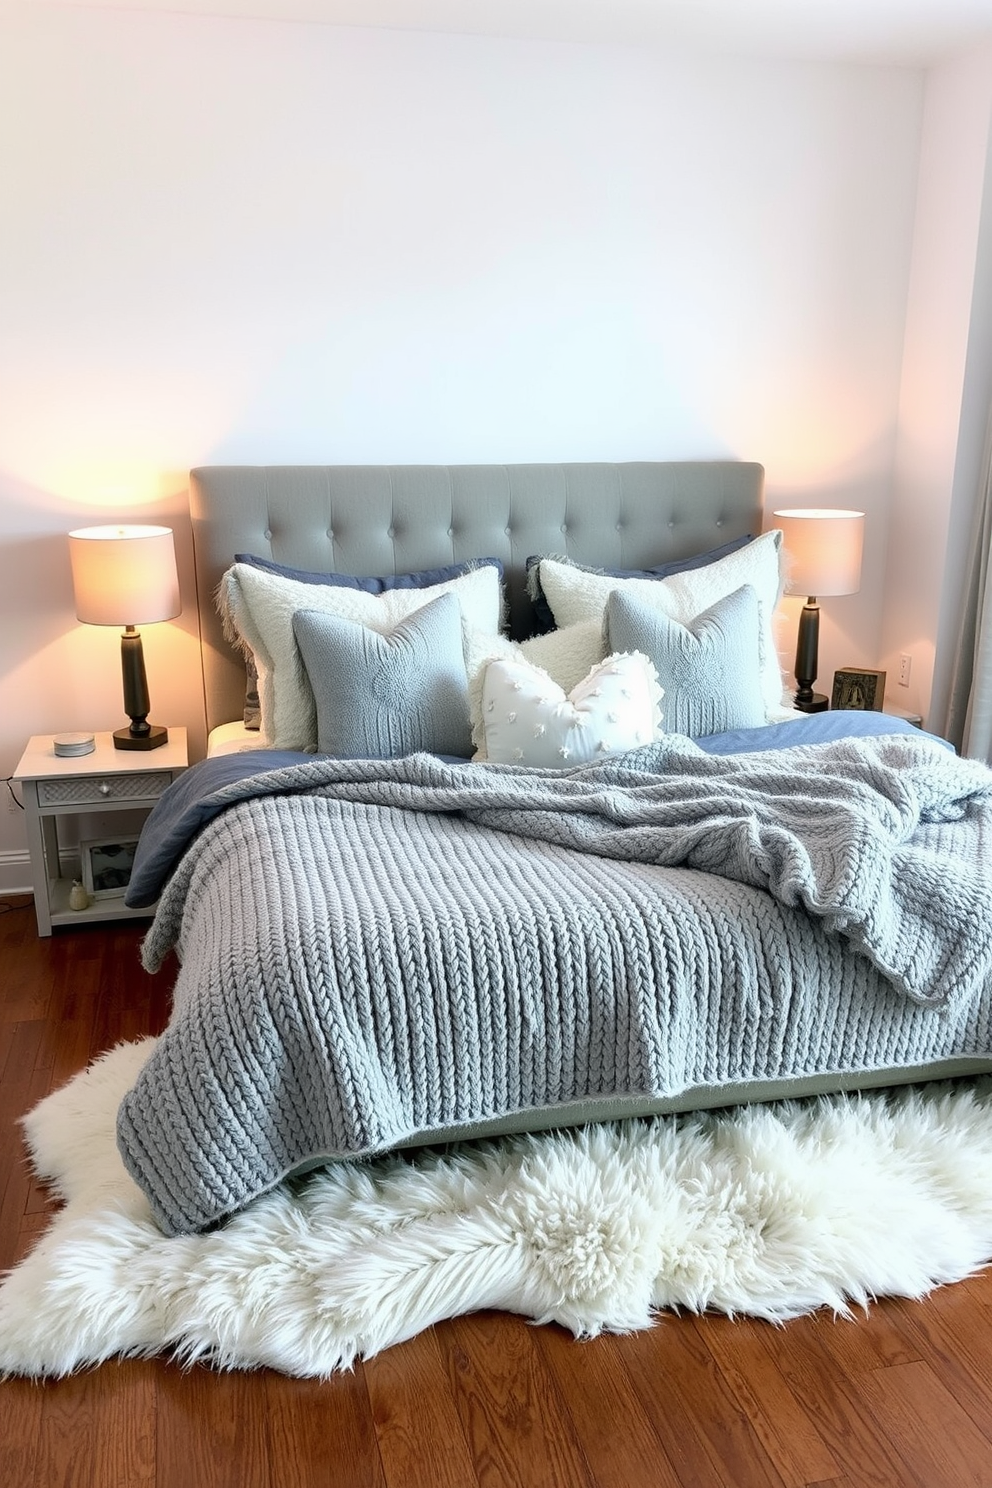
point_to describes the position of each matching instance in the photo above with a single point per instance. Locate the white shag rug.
(767, 1210)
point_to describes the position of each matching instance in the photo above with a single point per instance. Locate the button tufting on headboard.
(374, 519)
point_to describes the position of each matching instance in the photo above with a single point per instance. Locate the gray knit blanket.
(372, 952)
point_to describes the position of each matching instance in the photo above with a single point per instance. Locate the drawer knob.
(103, 788)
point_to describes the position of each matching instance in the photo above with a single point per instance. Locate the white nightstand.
(894, 712)
(109, 779)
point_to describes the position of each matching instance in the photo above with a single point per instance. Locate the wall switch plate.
(905, 667)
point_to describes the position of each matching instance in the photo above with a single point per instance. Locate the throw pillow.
(545, 620)
(575, 594)
(566, 655)
(258, 607)
(529, 720)
(710, 669)
(422, 579)
(384, 696)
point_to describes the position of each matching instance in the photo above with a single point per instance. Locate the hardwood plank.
(321, 1432)
(121, 1454)
(211, 1429)
(417, 1426)
(620, 1444)
(935, 1438)
(23, 994)
(21, 1402)
(832, 1398)
(20, 1089)
(712, 1442)
(952, 1331)
(865, 1340)
(786, 1431)
(518, 1432)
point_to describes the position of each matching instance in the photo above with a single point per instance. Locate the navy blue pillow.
(544, 618)
(424, 578)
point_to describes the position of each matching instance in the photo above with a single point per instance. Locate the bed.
(443, 935)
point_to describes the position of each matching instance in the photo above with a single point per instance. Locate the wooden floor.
(903, 1397)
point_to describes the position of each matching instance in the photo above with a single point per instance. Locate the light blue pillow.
(424, 578)
(710, 669)
(385, 696)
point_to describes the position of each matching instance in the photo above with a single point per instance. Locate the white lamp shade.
(822, 550)
(124, 575)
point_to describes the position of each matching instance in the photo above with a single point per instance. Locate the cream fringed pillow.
(578, 594)
(529, 720)
(257, 608)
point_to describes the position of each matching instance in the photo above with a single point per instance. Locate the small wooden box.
(858, 688)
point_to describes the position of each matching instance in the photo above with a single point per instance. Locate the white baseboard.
(15, 873)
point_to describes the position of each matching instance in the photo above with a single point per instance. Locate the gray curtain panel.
(969, 710)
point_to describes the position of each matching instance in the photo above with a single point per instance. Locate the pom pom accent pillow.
(575, 594)
(710, 669)
(257, 608)
(566, 655)
(529, 720)
(384, 696)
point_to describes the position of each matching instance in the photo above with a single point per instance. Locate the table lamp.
(823, 558)
(127, 576)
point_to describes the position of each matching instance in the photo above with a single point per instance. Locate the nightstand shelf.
(55, 789)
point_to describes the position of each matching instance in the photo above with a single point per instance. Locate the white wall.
(233, 240)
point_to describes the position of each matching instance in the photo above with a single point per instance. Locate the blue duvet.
(209, 787)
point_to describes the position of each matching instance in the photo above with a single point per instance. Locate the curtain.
(969, 711)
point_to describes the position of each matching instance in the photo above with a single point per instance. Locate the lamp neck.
(136, 701)
(807, 649)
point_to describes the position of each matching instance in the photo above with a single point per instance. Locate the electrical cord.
(16, 901)
(8, 781)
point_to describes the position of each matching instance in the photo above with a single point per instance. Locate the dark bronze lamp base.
(818, 703)
(156, 735)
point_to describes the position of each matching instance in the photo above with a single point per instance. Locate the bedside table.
(54, 788)
(915, 719)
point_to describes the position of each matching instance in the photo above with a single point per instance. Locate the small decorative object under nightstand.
(107, 779)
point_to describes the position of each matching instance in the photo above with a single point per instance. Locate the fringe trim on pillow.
(231, 633)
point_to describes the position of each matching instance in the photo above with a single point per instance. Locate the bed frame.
(385, 519)
(379, 519)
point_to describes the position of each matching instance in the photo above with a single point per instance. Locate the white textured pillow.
(575, 594)
(258, 607)
(566, 655)
(529, 720)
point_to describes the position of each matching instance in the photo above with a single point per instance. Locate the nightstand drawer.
(95, 789)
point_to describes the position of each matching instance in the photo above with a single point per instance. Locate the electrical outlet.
(905, 667)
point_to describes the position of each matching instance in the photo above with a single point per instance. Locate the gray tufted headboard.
(384, 519)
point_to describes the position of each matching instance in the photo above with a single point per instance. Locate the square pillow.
(385, 696)
(529, 720)
(257, 608)
(709, 669)
(575, 594)
(566, 655)
(421, 579)
(545, 620)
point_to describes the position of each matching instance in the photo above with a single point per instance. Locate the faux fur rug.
(767, 1210)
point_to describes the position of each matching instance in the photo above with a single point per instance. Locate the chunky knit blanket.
(372, 952)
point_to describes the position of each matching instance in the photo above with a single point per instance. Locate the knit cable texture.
(375, 950)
